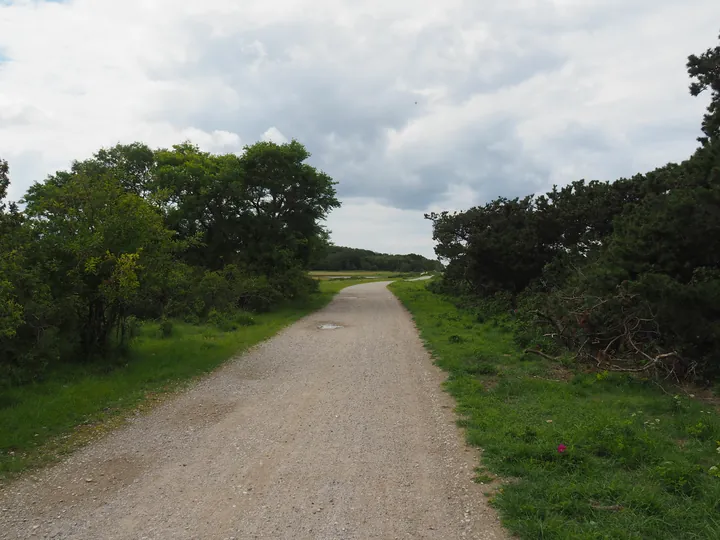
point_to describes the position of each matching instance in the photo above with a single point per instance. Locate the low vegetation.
(569, 452)
(41, 421)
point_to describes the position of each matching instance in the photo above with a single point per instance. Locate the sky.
(411, 106)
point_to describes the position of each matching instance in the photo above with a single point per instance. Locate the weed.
(482, 476)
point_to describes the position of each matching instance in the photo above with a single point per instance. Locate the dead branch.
(653, 362)
(552, 321)
(540, 353)
(612, 508)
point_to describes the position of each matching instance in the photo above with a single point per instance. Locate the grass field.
(352, 273)
(323, 275)
(330, 275)
(569, 454)
(41, 422)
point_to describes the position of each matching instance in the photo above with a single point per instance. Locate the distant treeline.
(345, 258)
(625, 274)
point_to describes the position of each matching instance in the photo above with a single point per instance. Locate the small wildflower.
(562, 448)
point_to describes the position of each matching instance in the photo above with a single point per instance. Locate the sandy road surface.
(315, 434)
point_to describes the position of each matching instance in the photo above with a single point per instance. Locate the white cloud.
(511, 96)
(273, 134)
(366, 224)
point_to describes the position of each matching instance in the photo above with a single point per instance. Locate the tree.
(289, 200)
(204, 201)
(11, 312)
(705, 69)
(147, 233)
(340, 258)
(101, 246)
(263, 211)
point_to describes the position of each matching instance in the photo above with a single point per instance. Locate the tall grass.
(580, 455)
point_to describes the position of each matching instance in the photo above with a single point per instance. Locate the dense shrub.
(625, 273)
(135, 233)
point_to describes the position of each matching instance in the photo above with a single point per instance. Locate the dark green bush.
(623, 272)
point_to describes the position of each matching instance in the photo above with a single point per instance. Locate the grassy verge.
(41, 422)
(579, 455)
(366, 275)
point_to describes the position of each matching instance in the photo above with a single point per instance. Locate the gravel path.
(315, 434)
(421, 278)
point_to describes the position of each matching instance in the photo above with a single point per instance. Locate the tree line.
(339, 258)
(625, 274)
(134, 233)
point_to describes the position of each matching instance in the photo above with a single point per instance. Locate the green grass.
(365, 275)
(637, 462)
(359, 273)
(43, 421)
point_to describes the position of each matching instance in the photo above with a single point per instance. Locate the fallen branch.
(556, 324)
(540, 353)
(651, 363)
(612, 508)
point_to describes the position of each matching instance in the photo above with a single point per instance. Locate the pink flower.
(562, 448)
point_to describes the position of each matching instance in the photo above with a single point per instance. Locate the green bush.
(243, 318)
(131, 327)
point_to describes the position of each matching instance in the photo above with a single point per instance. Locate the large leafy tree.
(204, 202)
(289, 200)
(263, 210)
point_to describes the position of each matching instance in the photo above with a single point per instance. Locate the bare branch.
(540, 353)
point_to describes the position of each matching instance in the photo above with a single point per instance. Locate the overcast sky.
(410, 105)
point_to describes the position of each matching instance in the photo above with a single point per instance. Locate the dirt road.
(338, 433)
